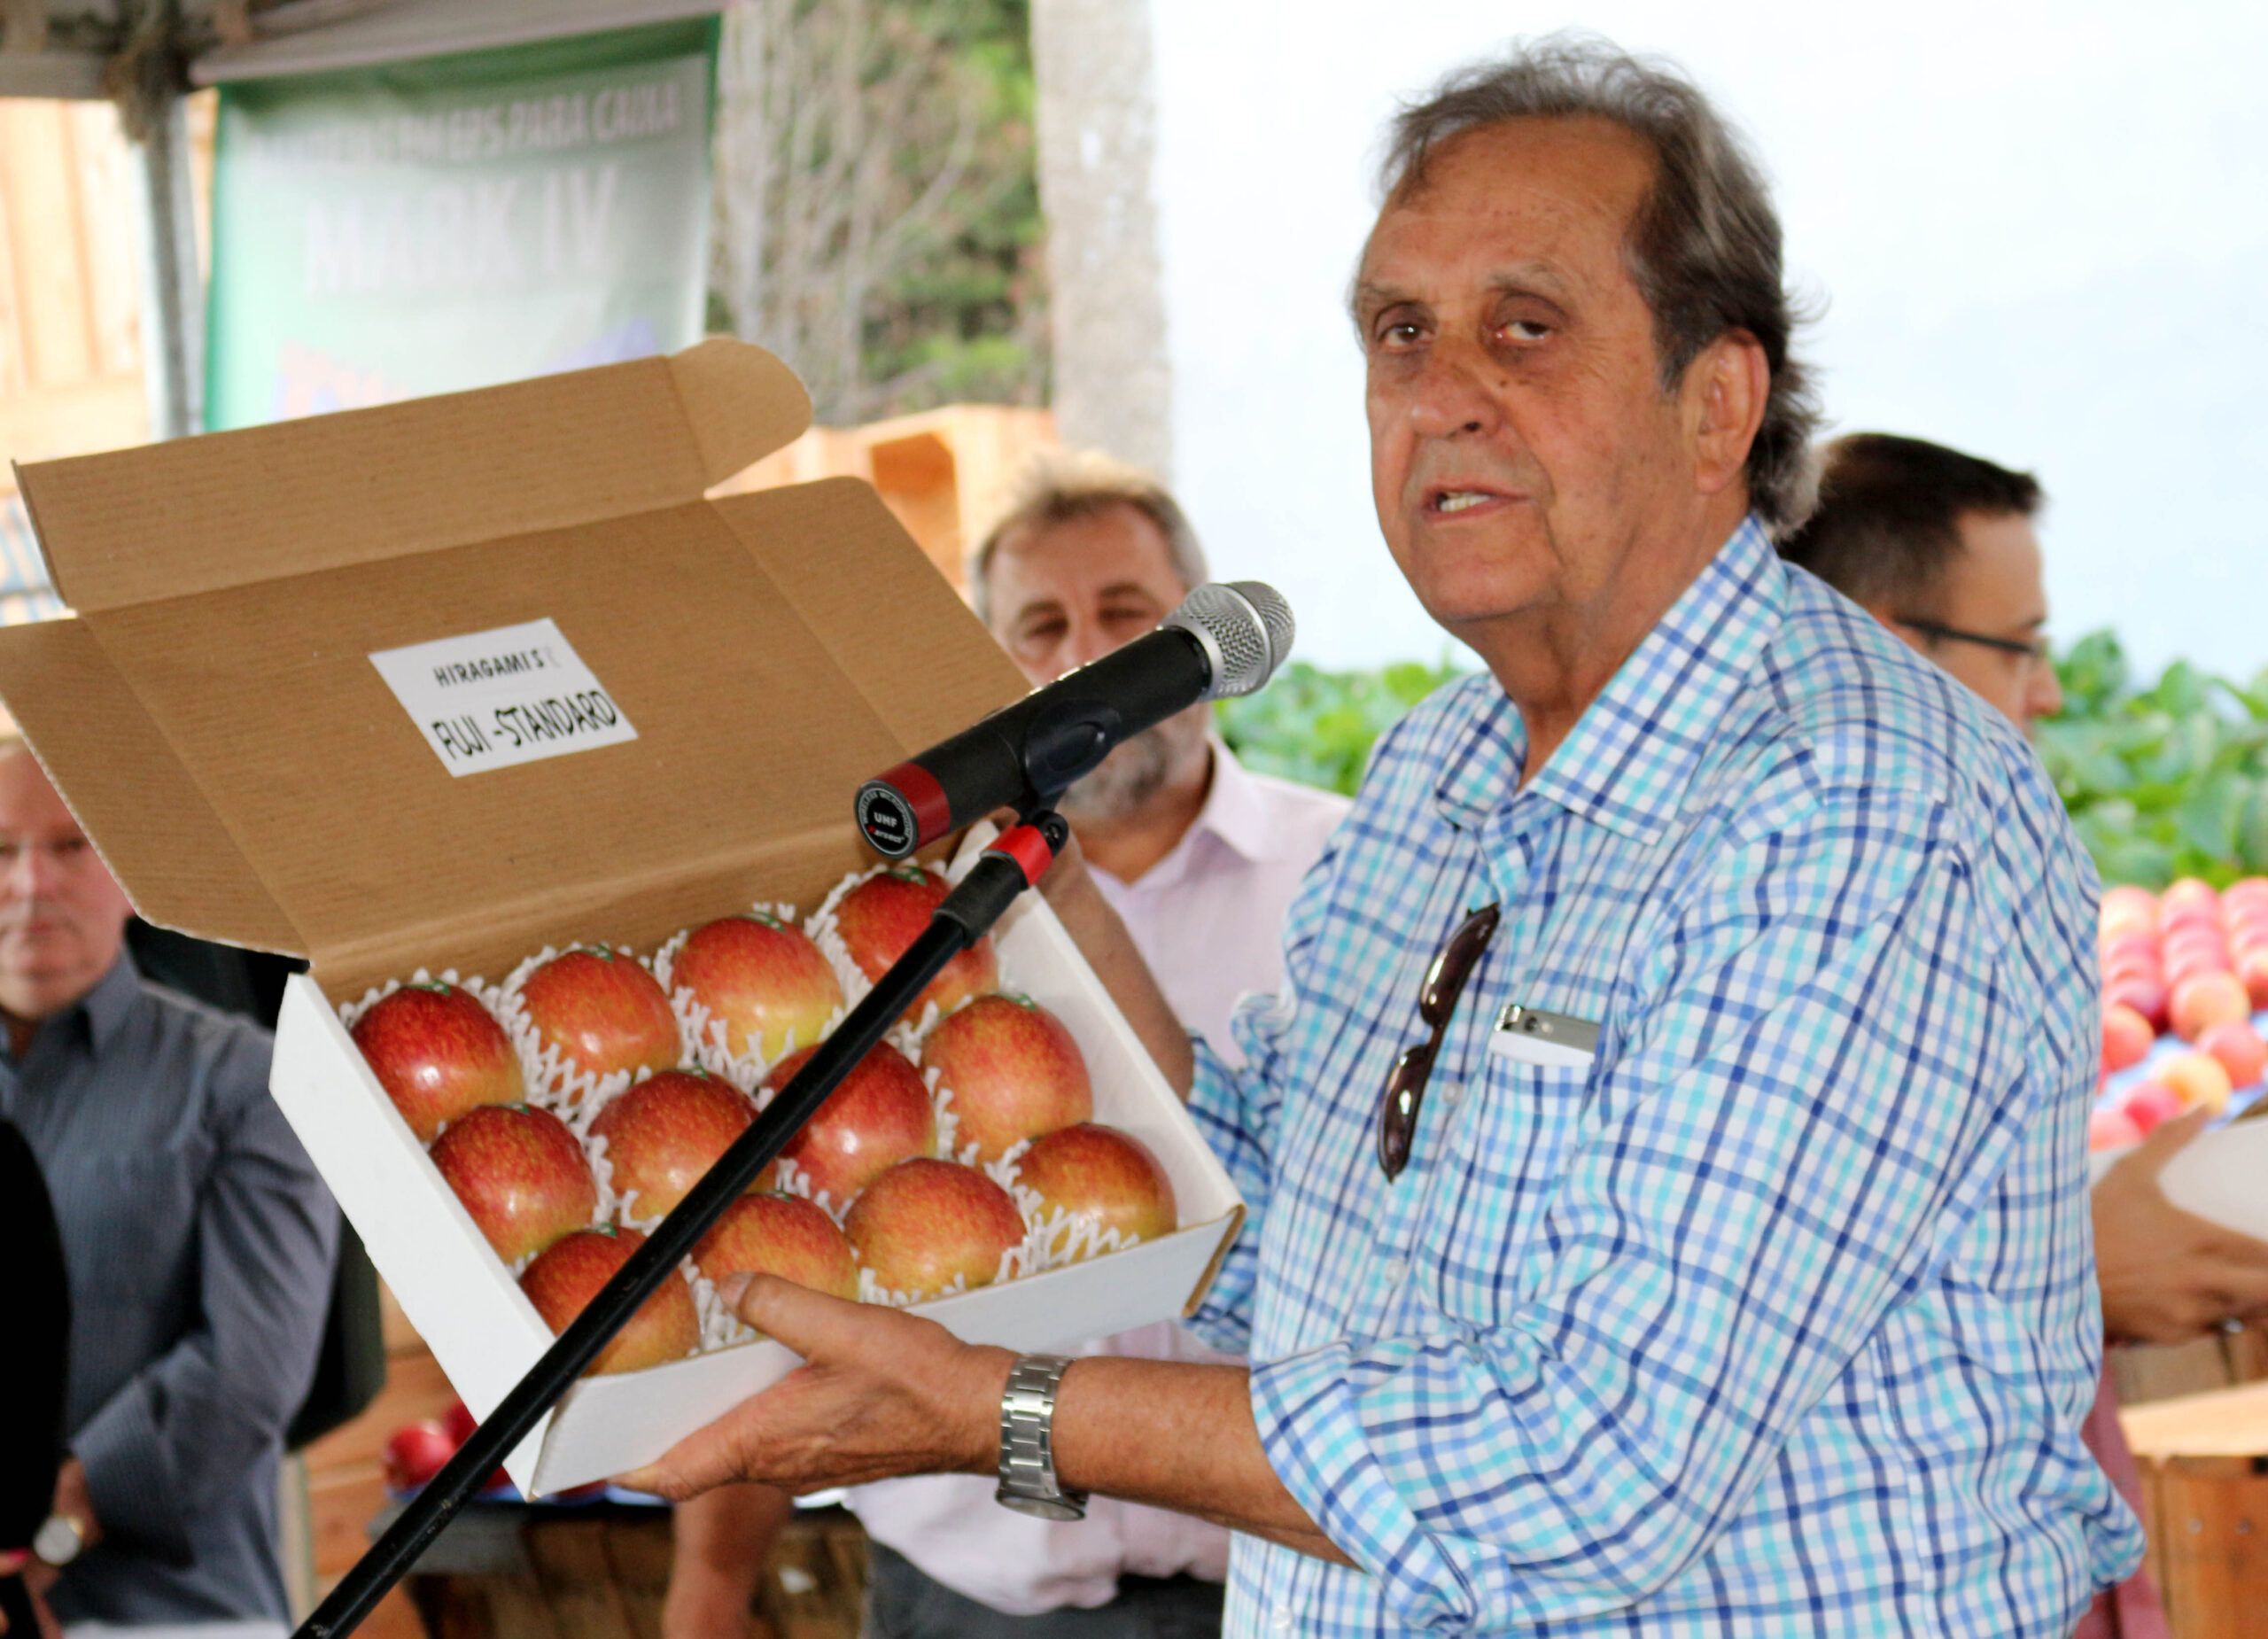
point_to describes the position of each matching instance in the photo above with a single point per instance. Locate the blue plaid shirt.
(1778, 1318)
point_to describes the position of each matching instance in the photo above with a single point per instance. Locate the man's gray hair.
(1703, 246)
(1057, 487)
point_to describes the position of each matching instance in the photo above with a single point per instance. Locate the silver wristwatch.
(58, 1540)
(1028, 1482)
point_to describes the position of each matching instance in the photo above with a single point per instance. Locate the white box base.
(485, 1334)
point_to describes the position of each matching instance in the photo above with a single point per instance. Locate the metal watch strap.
(1028, 1482)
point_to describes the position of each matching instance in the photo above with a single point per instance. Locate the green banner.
(385, 233)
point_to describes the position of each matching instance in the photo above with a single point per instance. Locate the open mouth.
(1455, 503)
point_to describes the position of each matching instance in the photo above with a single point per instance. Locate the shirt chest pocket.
(129, 1220)
(1500, 1168)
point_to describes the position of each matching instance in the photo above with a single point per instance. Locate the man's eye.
(1400, 333)
(1525, 329)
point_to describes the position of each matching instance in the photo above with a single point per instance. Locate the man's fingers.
(704, 1459)
(811, 1323)
(2166, 1139)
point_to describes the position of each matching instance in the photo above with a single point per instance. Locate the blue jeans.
(904, 1603)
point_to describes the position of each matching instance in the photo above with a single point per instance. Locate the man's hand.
(37, 1577)
(2169, 1276)
(720, 1543)
(880, 1393)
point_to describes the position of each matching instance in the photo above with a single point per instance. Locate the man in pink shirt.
(1199, 856)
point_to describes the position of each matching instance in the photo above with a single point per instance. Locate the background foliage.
(2163, 778)
(878, 201)
(1317, 726)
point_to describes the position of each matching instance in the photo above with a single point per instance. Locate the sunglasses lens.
(1398, 1109)
(1445, 979)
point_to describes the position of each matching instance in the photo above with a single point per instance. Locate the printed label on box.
(494, 699)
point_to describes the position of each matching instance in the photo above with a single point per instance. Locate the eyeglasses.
(1405, 1083)
(2038, 649)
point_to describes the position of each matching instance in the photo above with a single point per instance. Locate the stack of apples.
(607, 1068)
(2191, 963)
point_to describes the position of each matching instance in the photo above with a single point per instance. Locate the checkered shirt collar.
(1635, 750)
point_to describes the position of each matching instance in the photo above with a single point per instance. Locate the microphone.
(1226, 639)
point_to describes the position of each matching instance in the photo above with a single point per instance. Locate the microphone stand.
(1015, 861)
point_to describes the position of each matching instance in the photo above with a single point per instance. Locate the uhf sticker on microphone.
(886, 821)
(498, 698)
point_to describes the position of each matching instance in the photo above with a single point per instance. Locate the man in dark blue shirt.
(199, 1238)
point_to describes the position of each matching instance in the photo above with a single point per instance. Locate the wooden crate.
(945, 473)
(2203, 1460)
(602, 1574)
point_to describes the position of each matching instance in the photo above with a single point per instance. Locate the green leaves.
(1317, 726)
(2166, 780)
(2163, 782)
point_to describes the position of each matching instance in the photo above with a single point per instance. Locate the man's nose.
(1453, 392)
(28, 870)
(2044, 696)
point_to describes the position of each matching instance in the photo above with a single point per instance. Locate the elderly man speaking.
(1666, 1156)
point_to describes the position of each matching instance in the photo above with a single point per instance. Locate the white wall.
(2035, 231)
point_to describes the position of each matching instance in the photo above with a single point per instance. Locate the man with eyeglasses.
(1939, 546)
(1665, 1160)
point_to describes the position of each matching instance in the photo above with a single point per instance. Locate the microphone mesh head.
(1248, 624)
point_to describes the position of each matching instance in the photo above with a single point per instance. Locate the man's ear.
(1726, 389)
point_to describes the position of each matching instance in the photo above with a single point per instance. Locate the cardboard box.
(681, 739)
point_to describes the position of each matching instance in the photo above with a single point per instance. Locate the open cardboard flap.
(215, 719)
(253, 715)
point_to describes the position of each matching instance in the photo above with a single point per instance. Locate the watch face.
(1039, 1508)
(58, 1541)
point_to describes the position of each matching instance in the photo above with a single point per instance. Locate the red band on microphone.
(1025, 845)
(933, 813)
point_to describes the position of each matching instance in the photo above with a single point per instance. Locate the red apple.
(2149, 1102)
(2128, 907)
(438, 1053)
(2126, 1037)
(878, 1115)
(602, 1011)
(884, 914)
(665, 1132)
(458, 1422)
(569, 1275)
(925, 1221)
(1103, 1176)
(782, 1235)
(2136, 946)
(2185, 899)
(2112, 1129)
(2253, 969)
(415, 1453)
(2198, 1078)
(1013, 1072)
(520, 1173)
(2239, 1049)
(764, 980)
(2207, 999)
(2144, 996)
